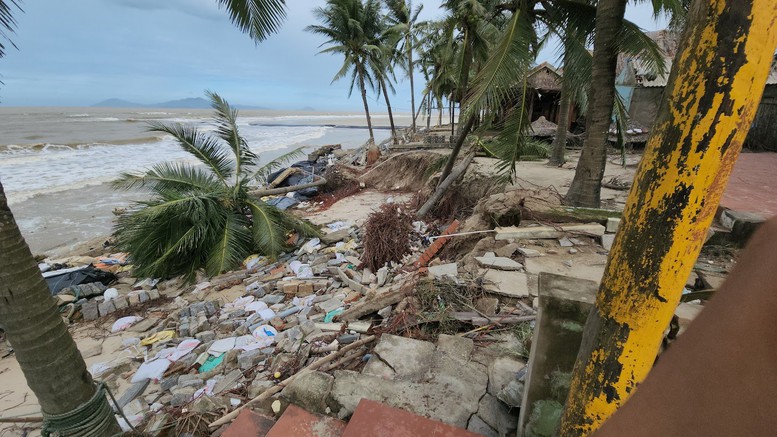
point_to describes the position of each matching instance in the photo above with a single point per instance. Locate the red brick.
(297, 422)
(378, 420)
(249, 424)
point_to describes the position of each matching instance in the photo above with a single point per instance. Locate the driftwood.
(372, 305)
(479, 320)
(284, 190)
(275, 389)
(282, 177)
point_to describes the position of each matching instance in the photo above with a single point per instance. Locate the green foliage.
(257, 18)
(202, 217)
(7, 23)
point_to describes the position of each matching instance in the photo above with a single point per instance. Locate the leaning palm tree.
(203, 217)
(352, 27)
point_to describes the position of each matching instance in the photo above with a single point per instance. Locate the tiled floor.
(753, 184)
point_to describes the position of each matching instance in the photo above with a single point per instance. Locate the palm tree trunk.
(47, 354)
(586, 185)
(457, 148)
(450, 112)
(408, 41)
(439, 112)
(560, 142)
(388, 106)
(360, 73)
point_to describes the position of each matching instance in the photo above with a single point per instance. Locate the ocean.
(56, 163)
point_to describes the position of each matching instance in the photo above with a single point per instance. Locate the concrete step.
(379, 420)
(300, 423)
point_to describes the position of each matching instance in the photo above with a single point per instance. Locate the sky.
(79, 52)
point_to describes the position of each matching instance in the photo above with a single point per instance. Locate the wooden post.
(714, 90)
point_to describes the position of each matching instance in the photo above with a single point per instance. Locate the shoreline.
(55, 223)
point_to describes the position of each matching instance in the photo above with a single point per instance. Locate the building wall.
(763, 132)
(645, 103)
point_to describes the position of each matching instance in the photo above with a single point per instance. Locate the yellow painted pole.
(714, 90)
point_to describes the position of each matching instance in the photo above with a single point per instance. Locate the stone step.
(299, 423)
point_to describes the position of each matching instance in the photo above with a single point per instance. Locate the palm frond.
(257, 18)
(233, 246)
(227, 130)
(621, 119)
(7, 23)
(170, 176)
(267, 229)
(495, 84)
(635, 43)
(202, 146)
(509, 144)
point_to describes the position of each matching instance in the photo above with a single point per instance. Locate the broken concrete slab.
(456, 347)
(501, 371)
(310, 391)
(478, 426)
(497, 415)
(491, 261)
(547, 232)
(449, 403)
(487, 305)
(442, 270)
(607, 241)
(376, 419)
(529, 253)
(612, 225)
(409, 358)
(508, 250)
(506, 283)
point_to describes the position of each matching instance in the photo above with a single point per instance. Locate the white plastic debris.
(124, 322)
(220, 346)
(153, 370)
(111, 294)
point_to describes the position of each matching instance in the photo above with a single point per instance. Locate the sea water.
(56, 163)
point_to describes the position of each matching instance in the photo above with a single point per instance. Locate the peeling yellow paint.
(624, 297)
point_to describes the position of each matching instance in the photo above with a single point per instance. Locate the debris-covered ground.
(433, 317)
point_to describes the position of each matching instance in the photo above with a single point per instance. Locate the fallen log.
(273, 390)
(284, 190)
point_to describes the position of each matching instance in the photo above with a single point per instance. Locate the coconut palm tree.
(352, 27)
(612, 33)
(402, 19)
(203, 216)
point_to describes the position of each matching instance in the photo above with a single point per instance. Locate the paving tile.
(249, 424)
(752, 186)
(299, 423)
(378, 420)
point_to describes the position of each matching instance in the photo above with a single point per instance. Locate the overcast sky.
(79, 52)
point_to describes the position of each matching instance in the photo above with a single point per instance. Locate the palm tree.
(611, 35)
(203, 217)
(402, 19)
(352, 27)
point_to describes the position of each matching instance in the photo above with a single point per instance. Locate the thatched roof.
(543, 128)
(544, 77)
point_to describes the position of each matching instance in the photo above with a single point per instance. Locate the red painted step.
(296, 422)
(374, 419)
(249, 424)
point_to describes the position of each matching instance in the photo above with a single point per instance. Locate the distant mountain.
(188, 103)
(117, 103)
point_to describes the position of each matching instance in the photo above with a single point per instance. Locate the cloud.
(205, 9)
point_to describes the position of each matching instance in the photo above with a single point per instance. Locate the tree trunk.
(408, 43)
(428, 111)
(586, 185)
(560, 142)
(388, 106)
(47, 354)
(457, 147)
(450, 112)
(446, 183)
(695, 142)
(360, 72)
(439, 112)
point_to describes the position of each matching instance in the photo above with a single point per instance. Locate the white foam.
(31, 171)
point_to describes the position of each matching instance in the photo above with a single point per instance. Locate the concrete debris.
(547, 232)
(491, 261)
(443, 270)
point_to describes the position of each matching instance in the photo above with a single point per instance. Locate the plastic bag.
(153, 370)
(124, 323)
